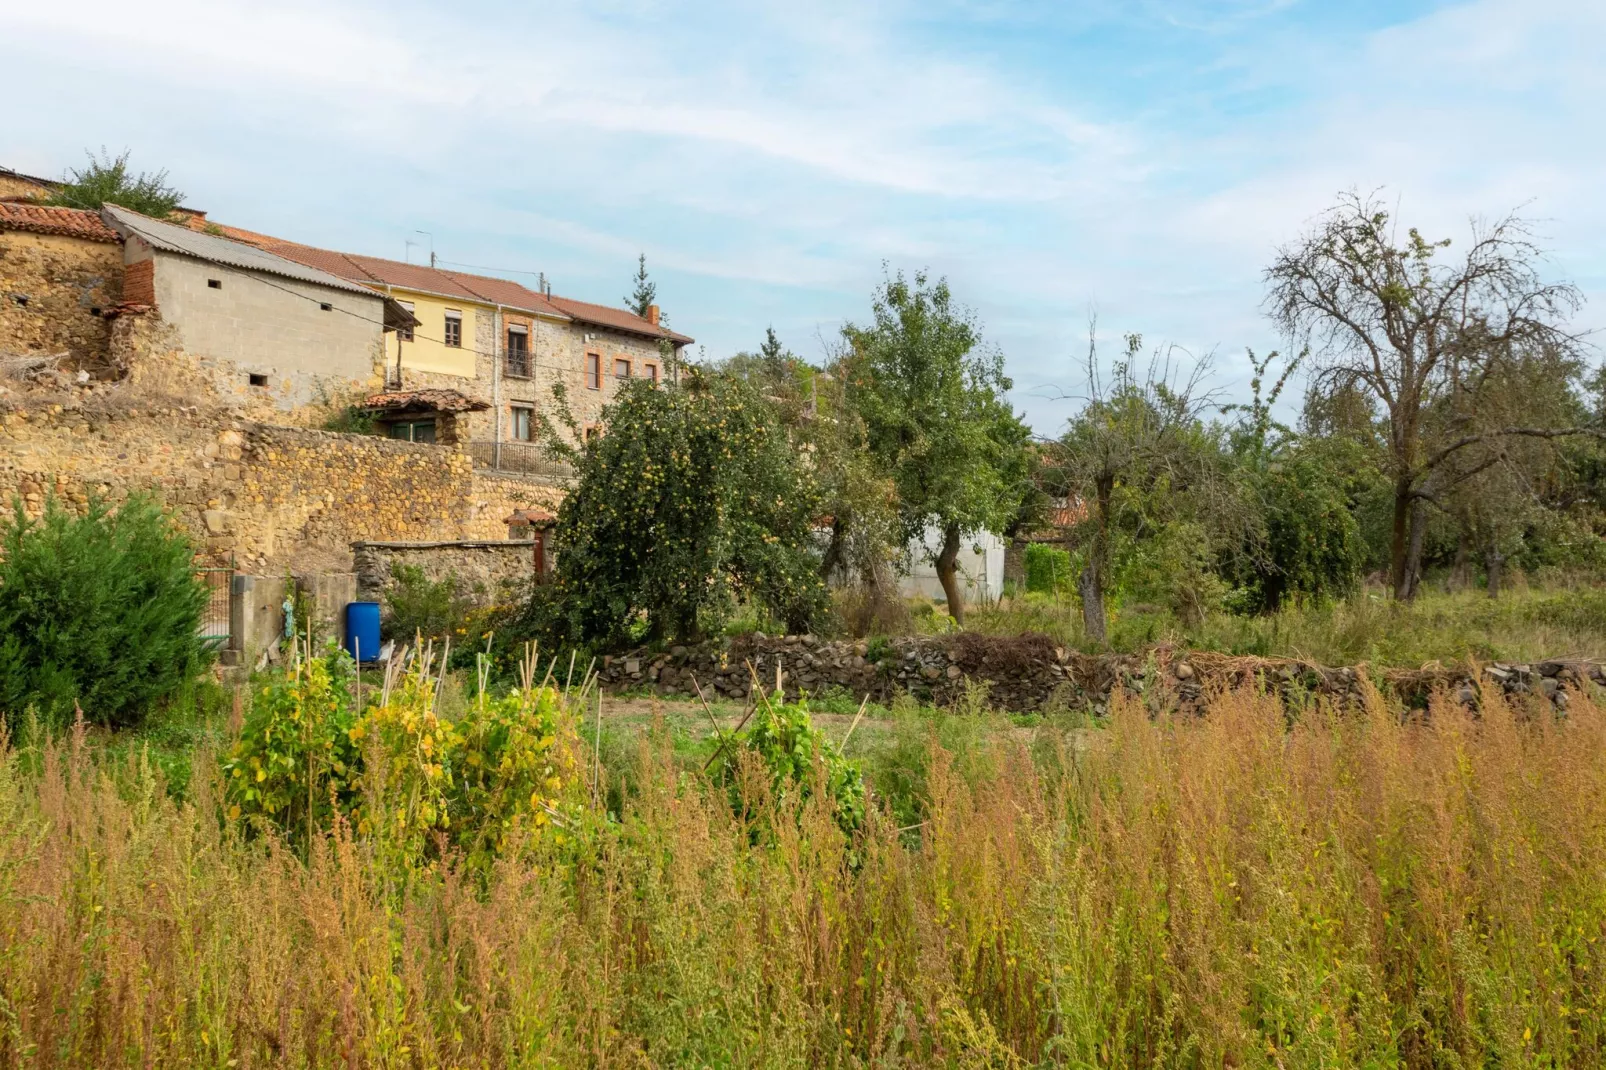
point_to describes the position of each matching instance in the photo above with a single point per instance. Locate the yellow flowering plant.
(295, 761)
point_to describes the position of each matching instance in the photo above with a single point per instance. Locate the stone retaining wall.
(272, 497)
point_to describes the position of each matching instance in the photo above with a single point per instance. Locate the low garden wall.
(489, 572)
(1030, 673)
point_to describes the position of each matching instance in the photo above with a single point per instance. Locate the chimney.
(652, 315)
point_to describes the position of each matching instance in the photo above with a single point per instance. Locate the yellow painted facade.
(428, 351)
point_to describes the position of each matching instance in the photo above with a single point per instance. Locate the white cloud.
(768, 157)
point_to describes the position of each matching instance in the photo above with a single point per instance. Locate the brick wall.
(52, 291)
(139, 283)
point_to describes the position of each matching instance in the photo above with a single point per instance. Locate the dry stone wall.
(490, 572)
(1029, 673)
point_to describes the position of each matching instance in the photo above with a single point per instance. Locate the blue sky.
(1139, 160)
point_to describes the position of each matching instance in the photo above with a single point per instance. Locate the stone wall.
(272, 497)
(1029, 673)
(53, 290)
(492, 573)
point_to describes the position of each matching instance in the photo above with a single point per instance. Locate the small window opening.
(93, 311)
(216, 284)
(621, 368)
(258, 380)
(20, 299)
(325, 305)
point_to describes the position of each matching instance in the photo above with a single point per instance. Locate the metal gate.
(216, 617)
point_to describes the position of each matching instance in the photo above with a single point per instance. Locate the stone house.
(263, 328)
(61, 271)
(500, 343)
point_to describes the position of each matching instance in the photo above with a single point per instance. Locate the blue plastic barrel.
(362, 630)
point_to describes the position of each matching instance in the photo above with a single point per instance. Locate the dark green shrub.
(417, 605)
(102, 609)
(1048, 569)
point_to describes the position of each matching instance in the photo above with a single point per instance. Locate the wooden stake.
(855, 723)
(596, 769)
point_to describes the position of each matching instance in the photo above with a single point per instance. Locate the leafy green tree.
(935, 419)
(1141, 459)
(1420, 334)
(108, 181)
(646, 292)
(693, 497)
(1309, 546)
(103, 610)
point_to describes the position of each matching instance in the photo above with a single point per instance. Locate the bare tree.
(1414, 329)
(1138, 443)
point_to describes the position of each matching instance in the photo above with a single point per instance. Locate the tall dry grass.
(1221, 891)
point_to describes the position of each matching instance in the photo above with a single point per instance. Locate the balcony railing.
(517, 364)
(521, 458)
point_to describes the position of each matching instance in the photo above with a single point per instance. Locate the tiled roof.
(172, 238)
(617, 318)
(511, 294)
(434, 400)
(485, 289)
(65, 222)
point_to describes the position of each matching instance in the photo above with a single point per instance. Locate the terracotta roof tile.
(65, 222)
(437, 400)
(617, 318)
(506, 292)
(486, 289)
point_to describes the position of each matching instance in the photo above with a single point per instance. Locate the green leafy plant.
(1049, 569)
(296, 761)
(408, 778)
(108, 180)
(101, 609)
(353, 420)
(799, 759)
(419, 606)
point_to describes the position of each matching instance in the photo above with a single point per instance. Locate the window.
(518, 352)
(216, 284)
(258, 380)
(592, 431)
(594, 371)
(405, 334)
(651, 372)
(523, 423)
(454, 328)
(414, 430)
(621, 368)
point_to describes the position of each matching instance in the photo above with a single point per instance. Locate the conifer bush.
(101, 609)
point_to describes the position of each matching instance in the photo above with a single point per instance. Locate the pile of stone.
(1030, 673)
